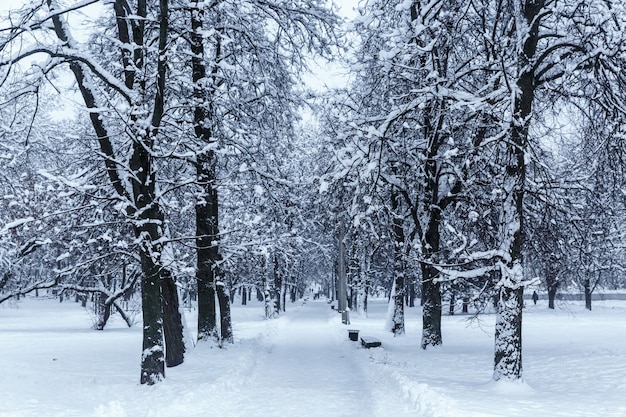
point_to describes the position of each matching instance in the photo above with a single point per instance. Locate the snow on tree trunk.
(207, 203)
(143, 208)
(509, 304)
(102, 309)
(268, 303)
(431, 304)
(509, 301)
(361, 300)
(397, 292)
(153, 356)
(361, 282)
(397, 300)
(508, 334)
(277, 284)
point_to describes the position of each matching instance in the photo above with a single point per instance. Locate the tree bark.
(207, 204)
(144, 211)
(103, 311)
(411, 295)
(172, 321)
(431, 288)
(278, 284)
(226, 329)
(587, 286)
(508, 350)
(397, 324)
(452, 303)
(551, 296)
(431, 313)
(206, 249)
(508, 334)
(153, 356)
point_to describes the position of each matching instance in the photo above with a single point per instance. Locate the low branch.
(41, 285)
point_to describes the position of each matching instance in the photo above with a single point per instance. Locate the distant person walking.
(535, 297)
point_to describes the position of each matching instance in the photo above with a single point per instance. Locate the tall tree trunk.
(278, 284)
(431, 288)
(452, 303)
(510, 302)
(551, 281)
(508, 334)
(144, 209)
(103, 310)
(172, 321)
(397, 320)
(226, 329)
(431, 307)
(411, 295)
(207, 254)
(207, 204)
(267, 292)
(587, 286)
(153, 356)
(551, 296)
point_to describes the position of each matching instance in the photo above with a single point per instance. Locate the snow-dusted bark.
(397, 297)
(139, 192)
(362, 284)
(207, 205)
(509, 303)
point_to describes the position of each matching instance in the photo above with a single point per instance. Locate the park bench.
(370, 342)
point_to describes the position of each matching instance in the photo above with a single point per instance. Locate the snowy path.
(308, 370)
(302, 364)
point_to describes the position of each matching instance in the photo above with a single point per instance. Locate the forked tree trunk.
(143, 206)
(103, 310)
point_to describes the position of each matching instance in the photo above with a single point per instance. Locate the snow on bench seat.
(370, 342)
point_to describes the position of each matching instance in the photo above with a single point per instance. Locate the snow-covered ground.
(302, 364)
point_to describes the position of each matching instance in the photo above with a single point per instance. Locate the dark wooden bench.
(370, 342)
